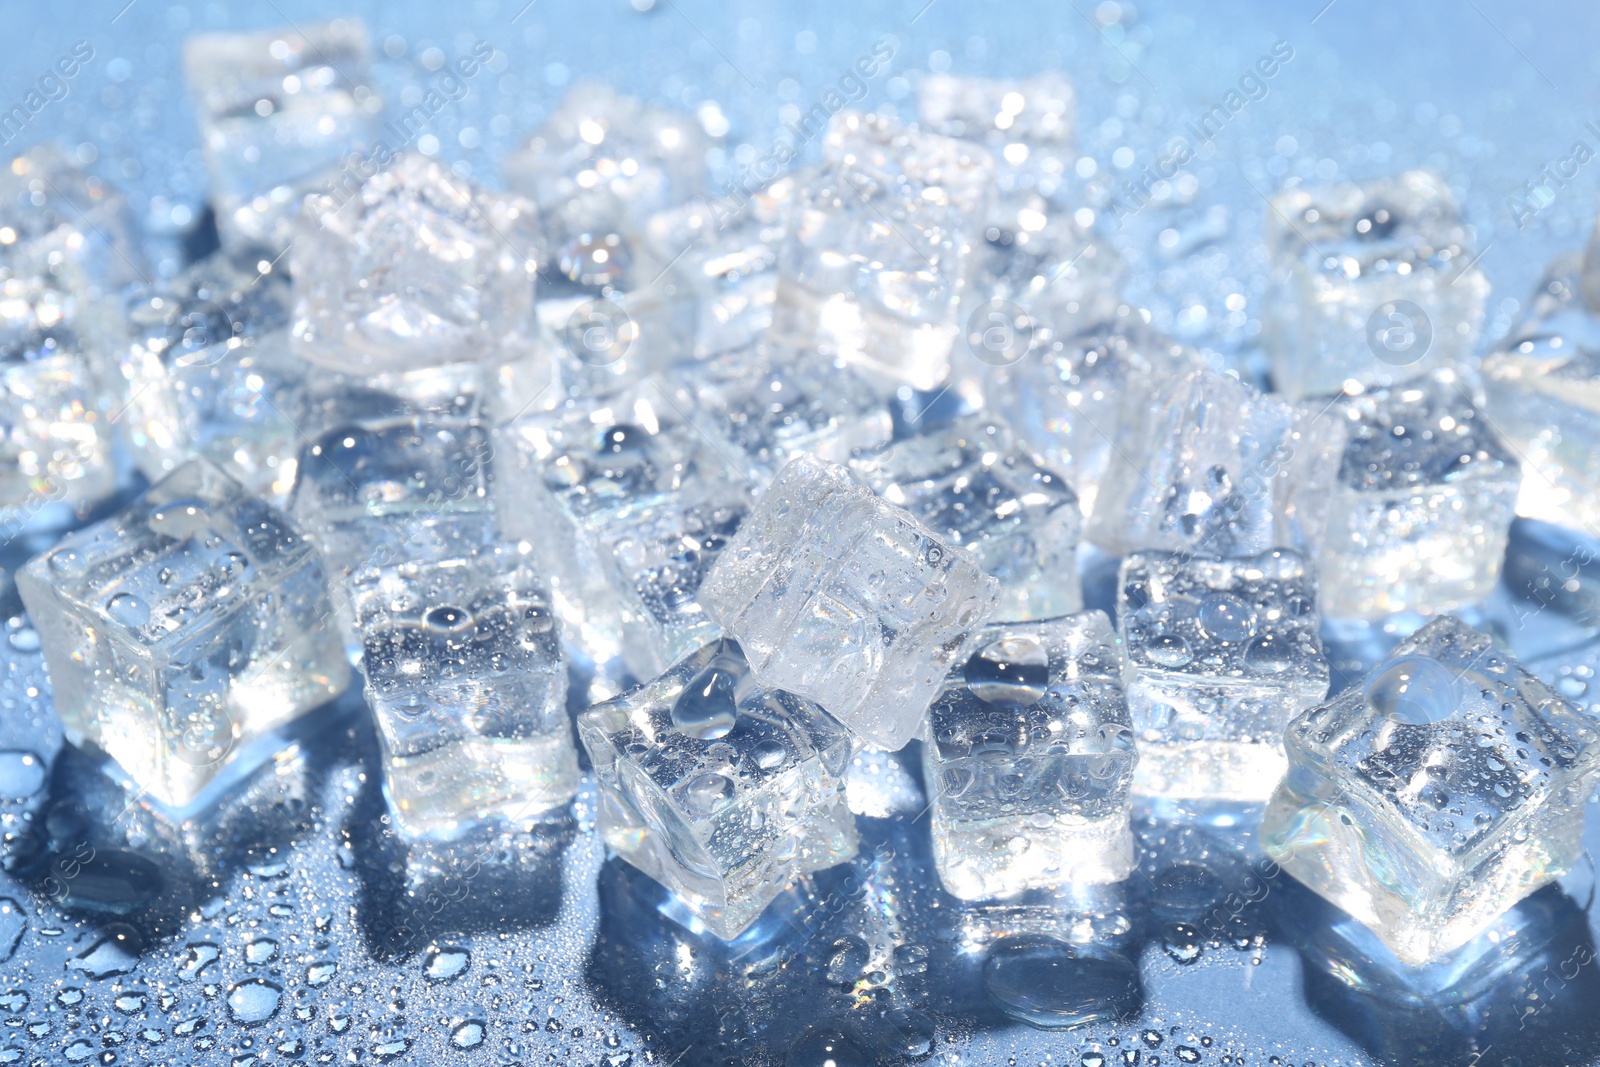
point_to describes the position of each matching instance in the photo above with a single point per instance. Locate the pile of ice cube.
(813, 461)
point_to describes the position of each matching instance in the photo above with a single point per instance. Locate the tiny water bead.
(1415, 690)
(1013, 670)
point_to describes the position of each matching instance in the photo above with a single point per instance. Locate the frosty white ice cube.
(184, 628)
(720, 788)
(279, 111)
(1422, 504)
(1204, 463)
(1435, 795)
(1028, 761)
(881, 248)
(413, 269)
(847, 600)
(1543, 395)
(1372, 284)
(1015, 518)
(629, 504)
(600, 166)
(465, 676)
(1221, 654)
(205, 369)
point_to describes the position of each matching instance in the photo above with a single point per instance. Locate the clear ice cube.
(601, 165)
(465, 676)
(1064, 399)
(882, 246)
(184, 628)
(55, 440)
(1027, 124)
(720, 788)
(970, 483)
(1204, 463)
(629, 503)
(847, 600)
(771, 404)
(1422, 505)
(279, 110)
(1543, 396)
(1431, 798)
(1221, 654)
(1373, 284)
(413, 269)
(205, 369)
(1029, 757)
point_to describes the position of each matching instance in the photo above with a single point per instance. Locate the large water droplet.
(128, 609)
(1012, 670)
(260, 950)
(21, 774)
(321, 973)
(1414, 690)
(446, 964)
(769, 754)
(1270, 654)
(708, 707)
(826, 1046)
(25, 639)
(708, 792)
(447, 619)
(1226, 617)
(180, 519)
(468, 1034)
(1168, 650)
(69, 563)
(1053, 985)
(253, 1002)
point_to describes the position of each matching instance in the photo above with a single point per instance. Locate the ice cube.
(1064, 398)
(58, 221)
(770, 404)
(847, 600)
(881, 248)
(629, 503)
(1431, 798)
(184, 628)
(970, 483)
(466, 679)
(55, 441)
(1543, 396)
(721, 254)
(1206, 464)
(1221, 654)
(723, 790)
(280, 110)
(1027, 124)
(1029, 757)
(600, 166)
(1373, 284)
(1422, 504)
(206, 370)
(414, 269)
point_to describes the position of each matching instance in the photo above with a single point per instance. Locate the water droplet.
(769, 754)
(319, 974)
(180, 519)
(13, 924)
(201, 956)
(910, 1034)
(253, 1002)
(115, 953)
(1270, 654)
(447, 619)
(260, 950)
(708, 706)
(847, 959)
(1414, 690)
(1226, 617)
(21, 774)
(25, 639)
(708, 792)
(446, 964)
(468, 1034)
(1053, 985)
(128, 609)
(1168, 650)
(1182, 942)
(130, 1003)
(68, 563)
(1012, 670)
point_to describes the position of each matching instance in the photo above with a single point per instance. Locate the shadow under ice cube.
(182, 629)
(1431, 798)
(848, 600)
(1029, 758)
(467, 682)
(721, 789)
(1221, 654)
(1422, 505)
